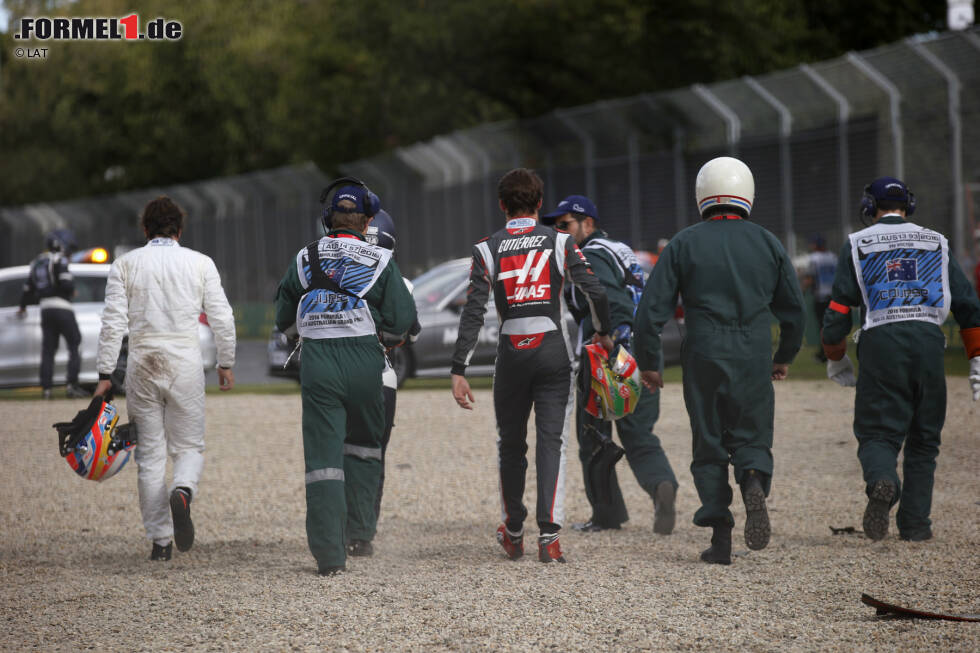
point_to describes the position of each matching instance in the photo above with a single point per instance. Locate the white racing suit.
(157, 293)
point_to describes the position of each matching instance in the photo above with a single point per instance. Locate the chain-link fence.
(250, 224)
(813, 136)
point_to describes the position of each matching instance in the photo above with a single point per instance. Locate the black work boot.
(664, 514)
(720, 551)
(757, 528)
(360, 548)
(330, 570)
(876, 514)
(162, 552)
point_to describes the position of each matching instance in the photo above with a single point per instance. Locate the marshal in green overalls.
(341, 380)
(644, 453)
(908, 285)
(734, 276)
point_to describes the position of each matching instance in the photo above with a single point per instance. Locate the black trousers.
(540, 378)
(55, 323)
(391, 396)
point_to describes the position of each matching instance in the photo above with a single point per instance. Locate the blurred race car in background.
(440, 294)
(20, 338)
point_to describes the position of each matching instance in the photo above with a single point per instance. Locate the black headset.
(367, 206)
(869, 205)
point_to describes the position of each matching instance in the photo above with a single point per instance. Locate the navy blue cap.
(889, 189)
(61, 240)
(357, 195)
(578, 204)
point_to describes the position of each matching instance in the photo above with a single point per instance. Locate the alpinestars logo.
(526, 277)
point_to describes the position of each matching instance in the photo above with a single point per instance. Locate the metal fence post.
(588, 145)
(785, 159)
(460, 156)
(486, 195)
(956, 138)
(894, 105)
(633, 152)
(680, 178)
(843, 156)
(732, 121)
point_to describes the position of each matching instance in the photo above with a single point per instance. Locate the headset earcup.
(868, 205)
(910, 207)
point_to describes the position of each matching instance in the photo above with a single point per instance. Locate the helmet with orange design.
(94, 444)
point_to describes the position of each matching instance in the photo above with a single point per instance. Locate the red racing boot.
(549, 550)
(513, 544)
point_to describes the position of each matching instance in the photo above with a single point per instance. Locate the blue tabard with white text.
(903, 272)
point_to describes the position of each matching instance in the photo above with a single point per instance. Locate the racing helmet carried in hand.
(613, 389)
(381, 231)
(94, 444)
(727, 182)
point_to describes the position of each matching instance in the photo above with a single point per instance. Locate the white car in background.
(20, 337)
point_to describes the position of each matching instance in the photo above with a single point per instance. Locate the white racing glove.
(975, 377)
(842, 372)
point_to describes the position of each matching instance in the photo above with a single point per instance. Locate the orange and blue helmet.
(94, 444)
(614, 385)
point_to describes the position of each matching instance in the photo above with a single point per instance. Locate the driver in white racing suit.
(157, 293)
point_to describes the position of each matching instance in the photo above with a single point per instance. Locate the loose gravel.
(75, 573)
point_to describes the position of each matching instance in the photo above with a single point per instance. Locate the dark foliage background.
(264, 83)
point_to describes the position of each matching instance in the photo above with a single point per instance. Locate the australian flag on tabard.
(902, 269)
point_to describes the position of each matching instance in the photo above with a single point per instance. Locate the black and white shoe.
(592, 527)
(180, 508)
(74, 391)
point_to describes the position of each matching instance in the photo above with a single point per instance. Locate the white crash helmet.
(725, 181)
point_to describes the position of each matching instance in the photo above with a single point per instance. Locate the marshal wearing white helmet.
(734, 276)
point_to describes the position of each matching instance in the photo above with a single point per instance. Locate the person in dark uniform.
(341, 293)
(51, 282)
(525, 266)
(819, 279)
(735, 277)
(381, 232)
(906, 283)
(619, 271)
